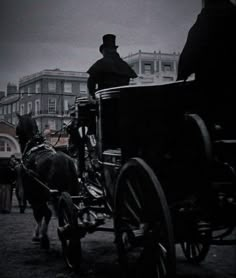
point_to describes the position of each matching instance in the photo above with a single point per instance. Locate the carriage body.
(145, 122)
(160, 124)
(166, 173)
(188, 142)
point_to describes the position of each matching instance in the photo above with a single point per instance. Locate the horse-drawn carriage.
(164, 174)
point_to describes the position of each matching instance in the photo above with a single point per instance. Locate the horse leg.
(38, 218)
(47, 214)
(20, 190)
(21, 200)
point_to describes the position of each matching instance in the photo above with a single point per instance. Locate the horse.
(42, 169)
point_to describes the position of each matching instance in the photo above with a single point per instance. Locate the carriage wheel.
(67, 231)
(197, 245)
(198, 138)
(195, 252)
(199, 157)
(143, 228)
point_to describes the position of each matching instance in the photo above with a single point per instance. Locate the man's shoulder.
(97, 66)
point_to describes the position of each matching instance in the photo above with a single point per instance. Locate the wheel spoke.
(158, 271)
(199, 247)
(188, 251)
(163, 258)
(65, 218)
(143, 217)
(131, 211)
(134, 195)
(193, 250)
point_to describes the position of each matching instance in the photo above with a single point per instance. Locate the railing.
(56, 113)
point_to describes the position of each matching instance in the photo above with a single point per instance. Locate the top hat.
(109, 41)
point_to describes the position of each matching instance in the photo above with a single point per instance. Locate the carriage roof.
(130, 117)
(170, 89)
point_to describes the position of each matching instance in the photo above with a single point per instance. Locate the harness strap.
(39, 147)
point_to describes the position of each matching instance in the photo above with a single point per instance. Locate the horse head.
(26, 129)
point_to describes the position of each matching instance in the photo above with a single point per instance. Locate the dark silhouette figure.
(109, 71)
(209, 51)
(210, 54)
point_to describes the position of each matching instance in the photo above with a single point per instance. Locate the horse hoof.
(44, 242)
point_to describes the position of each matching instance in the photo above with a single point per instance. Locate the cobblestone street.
(19, 258)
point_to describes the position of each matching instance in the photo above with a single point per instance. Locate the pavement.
(19, 258)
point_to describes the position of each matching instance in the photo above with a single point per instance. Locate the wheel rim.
(67, 245)
(143, 258)
(143, 235)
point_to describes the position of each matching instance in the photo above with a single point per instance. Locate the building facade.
(49, 94)
(153, 67)
(8, 142)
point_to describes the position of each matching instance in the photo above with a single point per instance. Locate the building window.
(1, 110)
(67, 87)
(66, 106)
(37, 107)
(83, 88)
(14, 107)
(5, 110)
(9, 108)
(51, 105)
(4, 146)
(22, 109)
(52, 124)
(30, 91)
(21, 92)
(37, 87)
(17, 106)
(52, 86)
(26, 91)
(147, 68)
(166, 67)
(29, 107)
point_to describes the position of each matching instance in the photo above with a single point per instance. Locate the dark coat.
(210, 53)
(210, 49)
(111, 71)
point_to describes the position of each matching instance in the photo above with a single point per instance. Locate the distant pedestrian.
(47, 133)
(109, 71)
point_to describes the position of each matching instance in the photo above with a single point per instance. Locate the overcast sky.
(66, 34)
